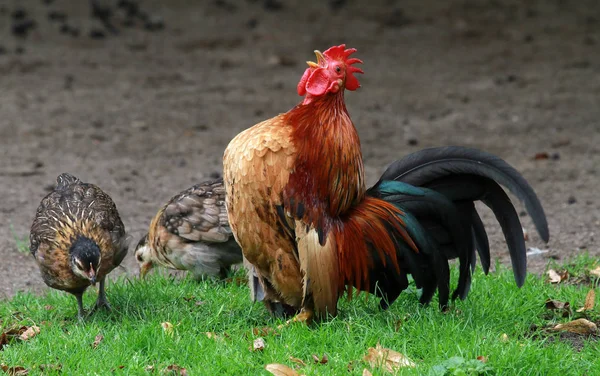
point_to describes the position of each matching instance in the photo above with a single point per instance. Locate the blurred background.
(141, 98)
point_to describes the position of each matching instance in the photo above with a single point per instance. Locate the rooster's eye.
(338, 69)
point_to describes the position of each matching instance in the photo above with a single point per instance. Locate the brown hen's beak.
(145, 268)
(321, 62)
(92, 275)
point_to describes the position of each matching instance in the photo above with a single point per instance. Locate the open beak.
(321, 62)
(92, 275)
(144, 269)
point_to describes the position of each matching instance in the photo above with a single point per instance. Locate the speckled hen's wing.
(198, 214)
(74, 199)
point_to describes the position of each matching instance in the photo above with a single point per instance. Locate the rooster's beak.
(321, 62)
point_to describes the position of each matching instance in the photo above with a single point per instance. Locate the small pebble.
(55, 15)
(19, 14)
(215, 175)
(21, 28)
(19, 50)
(97, 34)
(273, 5)
(154, 24)
(571, 200)
(252, 23)
(555, 156)
(413, 141)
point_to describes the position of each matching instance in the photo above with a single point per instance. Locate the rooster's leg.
(102, 302)
(305, 316)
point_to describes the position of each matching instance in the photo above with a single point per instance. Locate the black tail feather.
(442, 219)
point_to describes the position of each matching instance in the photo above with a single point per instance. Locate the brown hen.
(77, 238)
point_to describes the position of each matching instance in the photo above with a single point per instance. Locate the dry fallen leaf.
(97, 340)
(280, 370)
(504, 337)
(482, 359)
(259, 344)
(212, 335)
(366, 372)
(589, 301)
(554, 276)
(391, 360)
(595, 272)
(48, 307)
(174, 369)
(14, 371)
(322, 360)
(167, 328)
(31, 332)
(149, 368)
(297, 361)
(579, 326)
(557, 305)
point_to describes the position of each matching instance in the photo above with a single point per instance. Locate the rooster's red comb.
(340, 53)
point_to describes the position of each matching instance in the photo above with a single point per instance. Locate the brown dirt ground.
(145, 115)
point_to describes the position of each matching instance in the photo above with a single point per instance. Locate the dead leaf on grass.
(280, 370)
(554, 276)
(504, 337)
(14, 371)
(557, 305)
(389, 359)
(590, 299)
(595, 272)
(259, 344)
(366, 372)
(297, 361)
(167, 328)
(29, 333)
(48, 307)
(174, 369)
(579, 326)
(97, 341)
(149, 368)
(323, 360)
(482, 359)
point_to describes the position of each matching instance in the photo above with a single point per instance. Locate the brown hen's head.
(332, 72)
(85, 258)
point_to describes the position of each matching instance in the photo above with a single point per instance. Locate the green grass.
(134, 338)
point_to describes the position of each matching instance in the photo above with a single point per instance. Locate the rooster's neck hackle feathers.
(328, 176)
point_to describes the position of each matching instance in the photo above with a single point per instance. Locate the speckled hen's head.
(332, 72)
(143, 257)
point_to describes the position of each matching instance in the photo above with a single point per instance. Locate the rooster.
(191, 232)
(299, 208)
(77, 238)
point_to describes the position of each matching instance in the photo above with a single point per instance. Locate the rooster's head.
(332, 71)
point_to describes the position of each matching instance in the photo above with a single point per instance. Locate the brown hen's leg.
(80, 310)
(101, 302)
